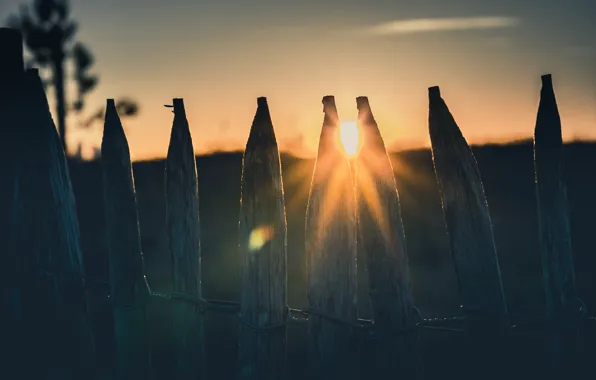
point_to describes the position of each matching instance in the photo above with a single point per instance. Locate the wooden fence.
(352, 203)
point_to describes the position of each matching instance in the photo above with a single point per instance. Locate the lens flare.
(259, 237)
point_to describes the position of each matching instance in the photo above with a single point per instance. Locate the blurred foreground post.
(396, 351)
(127, 282)
(56, 302)
(562, 303)
(330, 236)
(11, 84)
(184, 233)
(262, 245)
(471, 237)
(11, 63)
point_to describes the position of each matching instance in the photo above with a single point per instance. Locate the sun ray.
(350, 138)
(297, 176)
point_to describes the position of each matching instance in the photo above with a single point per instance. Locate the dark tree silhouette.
(48, 32)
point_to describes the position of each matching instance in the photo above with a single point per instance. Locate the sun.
(349, 135)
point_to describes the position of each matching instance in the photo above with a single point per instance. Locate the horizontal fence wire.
(577, 314)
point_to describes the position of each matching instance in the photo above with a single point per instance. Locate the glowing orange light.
(349, 135)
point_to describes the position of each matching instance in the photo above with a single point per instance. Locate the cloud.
(426, 25)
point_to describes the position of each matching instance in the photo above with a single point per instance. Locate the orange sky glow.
(219, 57)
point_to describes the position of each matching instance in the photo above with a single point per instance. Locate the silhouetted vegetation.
(507, 174)
(49, 35)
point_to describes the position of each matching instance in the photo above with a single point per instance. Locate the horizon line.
(395, 150)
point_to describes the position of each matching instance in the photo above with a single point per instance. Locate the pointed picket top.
(261, 134)
(127, 282)
(182, 205)
(466, 212)
(443, 128)
(327, 139)
(365, 114)
(434, 92)
(548, 132)
(60, 177)
(328, 151)
(373, 147)
(552, 199)
(114, 138)
(51, 222)
(184, 239)
(376, 179)
(330, 240)
(382, 210)
(330, 110)
(372, 136)
(383, 241)
(121, 210)
(563, 308)
(180, 120)
(43, 126)
(470, 232)
(263, 254)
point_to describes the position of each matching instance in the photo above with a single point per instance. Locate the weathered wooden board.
(470, 232)
(382, 237)
(263, 255)
(466, 212)
(331, 230)
(127, 282)
(562, 306)
(184, 234)
(49, 252)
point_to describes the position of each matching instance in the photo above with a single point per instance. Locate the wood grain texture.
(330, 236)
(466, 212)
(127, 283)
(382, 238)
(471, 238)
(562, 305)
(51, 258)
(184, 229)
(263, 254)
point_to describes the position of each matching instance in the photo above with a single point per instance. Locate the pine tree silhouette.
(48, 32)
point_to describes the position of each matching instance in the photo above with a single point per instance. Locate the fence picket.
(562, 305)
(183, 223)
(11, 85)
(52, 231)
(127, 282)
(263, 255)
(331, 256)
(383, 241)
(470, 231)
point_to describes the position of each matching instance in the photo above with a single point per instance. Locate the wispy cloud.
(426, 25)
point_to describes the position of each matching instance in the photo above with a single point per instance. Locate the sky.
(220, 55)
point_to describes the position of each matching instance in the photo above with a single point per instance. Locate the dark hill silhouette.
(507, 173)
